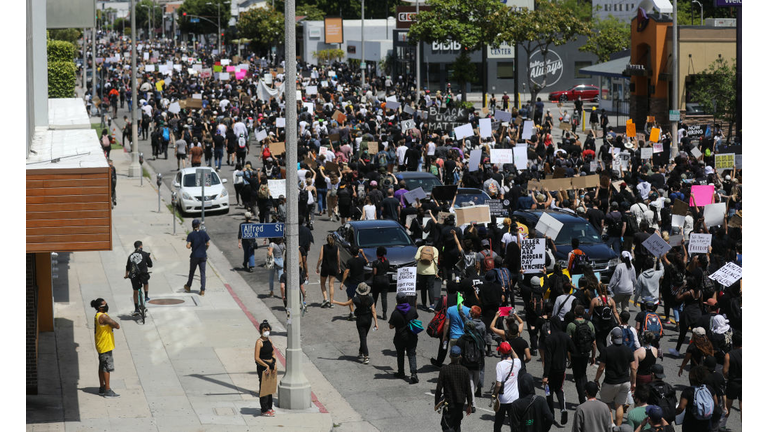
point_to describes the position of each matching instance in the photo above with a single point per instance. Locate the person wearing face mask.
(105, 342)
(264, 354)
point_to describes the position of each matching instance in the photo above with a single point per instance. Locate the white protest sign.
(225, 62)
(407, 124)
(311, 90)
(503, 116)
(298, 95)
(521, 157)
(527, 129)
(699, 243)
(696, 153)
(408, 109)
(146, 56)
(474, 159)
(223, 76)
(276, 188)
(501, 156)
(197, 96)
(174, 108)
(646, 153)
(197, 67)
(309, 106)
(656, 245)
(714, 214)
(485, 129)
(324, 83)
(392, 105)
(678, 220)
(592, 166)
(414, 195)
(549, 226)
(261, 135)
(149, 68)
(727, 275)
(280, 122)
(532, 255)
(463, 131)
(658, 147)
(406, 280)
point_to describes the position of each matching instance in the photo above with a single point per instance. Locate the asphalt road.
(331, 342)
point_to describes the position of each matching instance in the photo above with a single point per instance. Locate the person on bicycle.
(137, 268)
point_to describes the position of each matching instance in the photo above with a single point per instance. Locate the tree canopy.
(608, 36)
(473, 24)
(264, 26)
(202, 9)
(715, 89)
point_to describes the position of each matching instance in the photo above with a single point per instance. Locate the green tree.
(143, 9)
(71, 35)
(61, 69)
(608, 36)
(207, 11)
(473, 24)
(715, 90)
(463, 71)
(264, 26)
(549, 24)
(328, 55)
(308, 9)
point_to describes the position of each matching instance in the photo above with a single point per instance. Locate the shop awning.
(611, 69)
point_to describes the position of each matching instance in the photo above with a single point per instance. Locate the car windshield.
(383, 236)
(580, 230)
(474, 198)
(191, 180)
(426, 183)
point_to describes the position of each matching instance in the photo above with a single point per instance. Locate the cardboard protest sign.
(532, 255)
(276, 188)
(473, 214)
(474, 159)
(727, 275)
(339, 117)
(334, 137)
(406, 280)
(277, 148)
(331, 167)
(714, 214)
(194, 103)
(549, 226)
(503, 116)
(373, 147)
(702, 195)
(585, 182)
(521, 157)
(725, 161)
(656, 245)
(565, 126)
(631, 129)
(444, 193)
(414, 195)
(442, 216)
(485, 128)
(502, 156)
(679, 208)
(310, 162)
(463, 131)
(699, 243)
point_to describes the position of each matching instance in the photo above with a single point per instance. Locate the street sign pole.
(134, 169)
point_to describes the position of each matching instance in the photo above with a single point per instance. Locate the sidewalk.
(190, 367)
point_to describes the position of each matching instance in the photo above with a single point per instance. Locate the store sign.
(551, 68)
(504, 51)
(438, 47)
(406, 15)
(728, 3)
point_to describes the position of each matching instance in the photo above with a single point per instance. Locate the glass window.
(191, 180)
(605, 88)
(384, 236)
(577, 65)
(505, 70)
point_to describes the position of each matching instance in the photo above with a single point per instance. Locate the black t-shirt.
(617, 359)
(519, 345)
(362, 305)
(389, 208)
(690, 423)
(595, 217)
(356, 267)
(490, 295)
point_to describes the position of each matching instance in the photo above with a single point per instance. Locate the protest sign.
(702, 195)
(549, 226)
(277, 148)
(261, 135)
(406, 280)
(444, 193)
(501, 156)
(646, 153)
(503, 116)
(714, 214)
(737, 161)
(696, 153)
(727, 275)
(656, 245)
(485, 129)
(174, 108)
(527, 130)
(658, 147)
(310, 90)
(680, 208)
(735, 221)
(532, 255)
(473, 214)
(276, 188)
(407, 124)
(339, 117)
(280, 122)
(408, 109)
(224, 76)
(498, 208)
(474, 159)
(414, 195)
(675, 240)
(699, 243)
(678, 220)
(463, 131)
(521, 157)
(631, 129)
(445, 119)
(331, 167)
(585, 182)
(393, 105)
(725, 161)
(373, 147)
(655, 134)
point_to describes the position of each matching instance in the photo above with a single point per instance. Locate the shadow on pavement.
(224, 384)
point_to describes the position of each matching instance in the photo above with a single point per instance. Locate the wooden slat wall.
(69, 210)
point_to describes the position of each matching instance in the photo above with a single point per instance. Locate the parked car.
(414, 180)
(602, 258)
(464, 196)
(587, 92)
(188, 188)
(368, 236)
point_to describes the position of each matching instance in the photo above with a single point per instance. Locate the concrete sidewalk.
(190, 367)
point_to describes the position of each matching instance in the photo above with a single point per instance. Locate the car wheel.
(563, 98)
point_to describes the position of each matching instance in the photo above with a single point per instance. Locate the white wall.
(377, 30)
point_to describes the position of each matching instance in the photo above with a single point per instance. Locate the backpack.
(427, 255)
(708, 288)
(614, 226)
(536, 304)
(659, 391)
(488, 263)
(583, 338)
(473, 353)
(703, 403)
(652, 323)
(580, 260)
(241, 142)
(135, 259)
(627, 338)
(303, 197)
(415, 326)
(166, 134)
(263, 191)
(492, 189)
(435, 326)
(382, 160)
(632, 226)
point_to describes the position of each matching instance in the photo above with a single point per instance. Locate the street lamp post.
(218, 22)
(701, 8)
(135, 168)
(363, 65)
(418, 64)
(675, 79)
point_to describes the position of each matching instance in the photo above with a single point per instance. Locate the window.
(505, 70)
(578, 65)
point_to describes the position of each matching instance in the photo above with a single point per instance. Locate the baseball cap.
(699, 331)
(455, 351)
(711, 302)
(195, 223)
(374, 183)
(658, 371)
(485, 242)
(504, 348)
(617, 336)
(535, 281)
(654, 413)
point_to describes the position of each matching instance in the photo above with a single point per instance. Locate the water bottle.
(546, 389)
(445, 345)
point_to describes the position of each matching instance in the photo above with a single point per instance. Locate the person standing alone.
(137, 269)
(198, 241)
(103, 327)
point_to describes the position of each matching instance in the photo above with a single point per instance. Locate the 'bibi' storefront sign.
(549, 69)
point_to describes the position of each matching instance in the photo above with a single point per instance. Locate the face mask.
(105, 308)
(265, 334)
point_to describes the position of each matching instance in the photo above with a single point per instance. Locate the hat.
(248, 215)
(710, 363)
(504, 348)
(400, 297)
(648, 300)
(711, 302)
(658, 371)
(485, 242)
(195, 223)
(594, 108)
(626, 254)
(535, 281)
(708, 170)
(617, 336)
(699, 331)
(654, 413)
(363, 289)
(455, 351)
(628, 145)
(374, 183)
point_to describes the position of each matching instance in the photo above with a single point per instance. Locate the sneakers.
(361, 357)
(534, 352)
(135, 313)
(330, 305)
(102, 390)
(146, 299)
(186, 288)
(674, 352)
(351, 317)
(324, 304)
(270, 413)
(202, 293)
(384, 316)
(366, 360)
(563, 417)
(414, 379)
(110, 394)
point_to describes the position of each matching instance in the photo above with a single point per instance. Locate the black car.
(602, 258)
(369, 235)
(414, 180)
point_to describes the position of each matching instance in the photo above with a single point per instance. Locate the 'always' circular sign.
(552, 68)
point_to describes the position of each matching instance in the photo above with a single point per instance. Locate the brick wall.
(31, 326)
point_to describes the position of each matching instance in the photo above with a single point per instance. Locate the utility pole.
(85, 62)
(675, 79)
(293, 391)
(418, 65)
(362, 42)
(135, 169)
(93, 65)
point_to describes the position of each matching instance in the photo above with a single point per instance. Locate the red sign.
(406, 15)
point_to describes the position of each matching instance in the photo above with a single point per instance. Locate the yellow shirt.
(105, 339)
(159, 85)
(430, 269)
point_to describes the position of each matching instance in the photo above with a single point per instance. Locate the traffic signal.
(184, 14)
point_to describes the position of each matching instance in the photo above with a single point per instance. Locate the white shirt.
(239, 128)
(147, 109)
(401, 154)
(562, 306)
(369, 212)
(503, 367)
(431, 148)
(222, 129)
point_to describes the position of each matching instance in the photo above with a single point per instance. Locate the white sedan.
(189, 192)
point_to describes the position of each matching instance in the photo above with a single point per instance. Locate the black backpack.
(583, 338)
(632, 226)
(708, 287)
(472, 354)
(662, 394)
(303, 197)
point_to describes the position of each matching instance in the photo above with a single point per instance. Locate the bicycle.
(141, 303)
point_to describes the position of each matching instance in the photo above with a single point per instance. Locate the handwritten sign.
(699, 243)
(658, 147)
(646, 153)
(727, 275)
(532, 255)
(656, 245)
(276, 188)
(502, 156)
(414, 195)
(406, 280)
(549, 226)
(702, 194)
(725, 161)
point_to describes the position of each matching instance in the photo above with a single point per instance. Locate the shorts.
(350, 289)
(733, 390)
(324, 272)
(106, 363)
(139, 281)
(181, 156)
(615, 394)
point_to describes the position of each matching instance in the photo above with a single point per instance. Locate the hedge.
(60, 51)
(62, 77)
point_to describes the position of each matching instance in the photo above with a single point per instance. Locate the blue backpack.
(628, 339)
(652, 323)
(703, 403)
